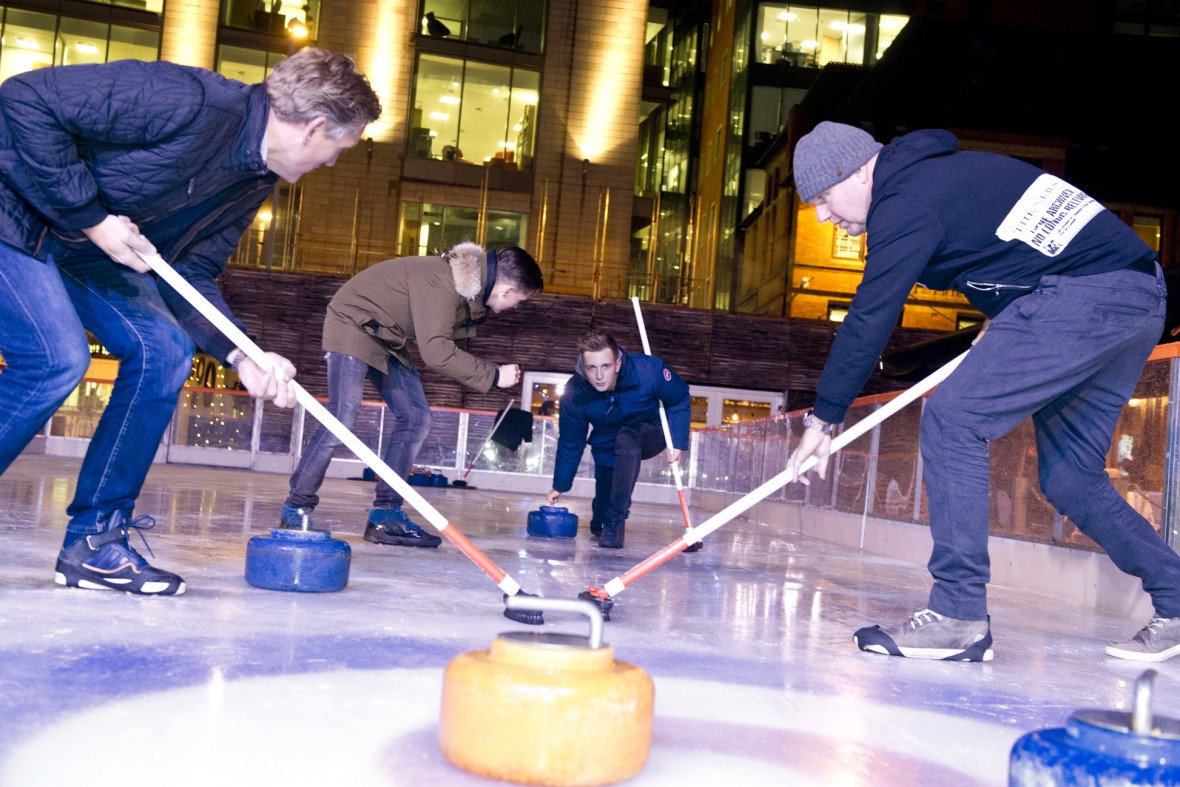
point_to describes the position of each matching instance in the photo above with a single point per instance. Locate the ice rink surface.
(749, 643)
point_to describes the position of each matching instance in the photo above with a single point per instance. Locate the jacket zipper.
(987, 286)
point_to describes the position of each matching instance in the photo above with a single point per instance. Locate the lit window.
(811, 37)
(518, 25)
(33, 40)
(430, 229)
(1148, 228)
(474, 113)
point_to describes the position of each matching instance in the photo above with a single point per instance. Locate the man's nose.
(822, 213)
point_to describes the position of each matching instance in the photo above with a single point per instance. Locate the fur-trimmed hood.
(468, 262)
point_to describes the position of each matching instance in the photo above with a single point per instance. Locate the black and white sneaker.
(928, 635)
(106, 561)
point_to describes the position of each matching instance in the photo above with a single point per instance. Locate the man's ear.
(320, 122)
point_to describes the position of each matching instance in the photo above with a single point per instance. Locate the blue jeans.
(44, 345)
(401, 390)
(613, 486)
(125, 312)
(1068, 355)
(42, 338)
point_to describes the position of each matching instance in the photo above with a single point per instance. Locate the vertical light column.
(604, 108)
(189, 36)
(384, 53)
(355, 204)
(601, 123)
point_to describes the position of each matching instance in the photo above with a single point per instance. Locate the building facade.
(634, 147)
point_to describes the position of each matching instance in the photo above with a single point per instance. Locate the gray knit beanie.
(828, 154)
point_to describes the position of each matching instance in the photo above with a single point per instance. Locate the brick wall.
(284, 313)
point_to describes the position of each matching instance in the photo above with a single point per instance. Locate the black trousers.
(613, 486)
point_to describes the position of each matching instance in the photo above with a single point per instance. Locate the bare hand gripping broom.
(255, 353)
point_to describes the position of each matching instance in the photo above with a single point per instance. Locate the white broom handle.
(484, 445)
(844, 438)
(663, 415)
(748, 500)
(309, 402)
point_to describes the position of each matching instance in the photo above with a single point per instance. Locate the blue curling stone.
(438, 479)
(553, 522)
(308, 561)
(420, 479)
(1100, 748)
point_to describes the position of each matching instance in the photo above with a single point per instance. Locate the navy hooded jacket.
(643, 382)
(986, 225)
(176, 149)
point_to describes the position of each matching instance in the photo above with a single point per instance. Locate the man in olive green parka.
(370, 323)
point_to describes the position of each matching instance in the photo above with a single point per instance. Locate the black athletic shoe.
(595, 528)
(106, 561)
(612, 534)
(928, 635)
(392, 527)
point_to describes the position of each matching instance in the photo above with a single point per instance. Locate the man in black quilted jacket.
(101, 163)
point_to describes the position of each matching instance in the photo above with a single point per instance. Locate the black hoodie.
(986, 225)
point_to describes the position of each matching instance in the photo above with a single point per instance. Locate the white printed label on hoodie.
(1048, 215)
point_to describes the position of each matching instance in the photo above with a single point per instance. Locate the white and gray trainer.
(1157, 641)
(929, 635)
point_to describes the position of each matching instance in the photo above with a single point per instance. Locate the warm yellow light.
(298, 29)
(382, 62)
(611, 70)
(454, 100)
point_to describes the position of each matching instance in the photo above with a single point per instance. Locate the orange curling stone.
(542, 708)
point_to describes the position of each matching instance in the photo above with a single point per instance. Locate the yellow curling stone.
(542, 708)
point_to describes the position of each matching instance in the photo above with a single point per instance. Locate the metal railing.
(877, 475)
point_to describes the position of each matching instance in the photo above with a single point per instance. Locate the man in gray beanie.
(1075, 302)
(828, 155)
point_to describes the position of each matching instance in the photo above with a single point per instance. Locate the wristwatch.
(235, 357)
(811, 422)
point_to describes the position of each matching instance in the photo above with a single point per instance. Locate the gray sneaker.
(1157, 641)
(928, 635)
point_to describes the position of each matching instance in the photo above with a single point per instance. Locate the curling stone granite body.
(1099, 748)
(309, 561)
(552, 522)
(547, 709)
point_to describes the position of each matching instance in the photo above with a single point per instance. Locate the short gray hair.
(317, 83)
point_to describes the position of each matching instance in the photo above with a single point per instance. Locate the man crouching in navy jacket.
(619, 394)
